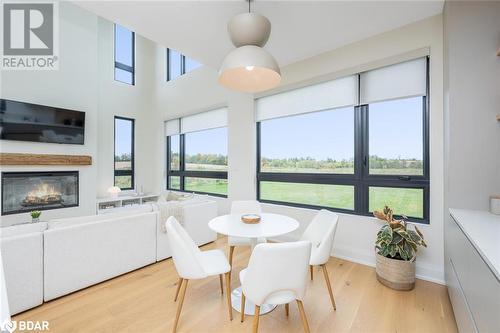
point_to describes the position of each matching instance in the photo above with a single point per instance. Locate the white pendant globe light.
(249, 68)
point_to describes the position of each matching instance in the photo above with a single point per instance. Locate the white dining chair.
(321, 232)
(193, 264)
(243, 207)
(276, 274)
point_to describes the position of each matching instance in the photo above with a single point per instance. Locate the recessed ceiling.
(300, 29)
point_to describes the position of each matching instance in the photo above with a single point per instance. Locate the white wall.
(85, 82)
(199, 90)
(73, 86)
(472, 30)
(121, 99)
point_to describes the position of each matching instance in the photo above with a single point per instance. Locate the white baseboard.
(424, 272)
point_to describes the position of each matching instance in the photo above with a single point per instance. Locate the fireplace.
(27, 191)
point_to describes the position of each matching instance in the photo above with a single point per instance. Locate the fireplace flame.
(43, 194)
(43, 190)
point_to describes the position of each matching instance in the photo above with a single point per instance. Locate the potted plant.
(35, 215)
(396, 248)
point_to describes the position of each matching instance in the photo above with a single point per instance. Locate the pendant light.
(249, 68)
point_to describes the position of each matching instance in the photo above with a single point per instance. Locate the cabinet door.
(463, 317)
(480, 286)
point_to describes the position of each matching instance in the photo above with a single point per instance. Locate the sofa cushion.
(22, 229)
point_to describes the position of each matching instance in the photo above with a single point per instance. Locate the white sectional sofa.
(78, 255)
(193, 215)
(21, 248)
(44, 261)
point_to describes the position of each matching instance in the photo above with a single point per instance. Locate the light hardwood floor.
(142, 301)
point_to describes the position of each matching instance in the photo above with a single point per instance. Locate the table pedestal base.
(249, 306)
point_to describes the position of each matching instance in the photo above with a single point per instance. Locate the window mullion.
(358, 149)
(183, 64)
(168, 158)
(182, 164)
(362, 158)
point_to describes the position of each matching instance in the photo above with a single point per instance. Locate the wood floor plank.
(142, 301)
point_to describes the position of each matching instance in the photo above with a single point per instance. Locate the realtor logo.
(30, 36)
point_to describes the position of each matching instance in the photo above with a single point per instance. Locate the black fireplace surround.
(27, 191)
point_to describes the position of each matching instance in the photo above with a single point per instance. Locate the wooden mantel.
(43, 159)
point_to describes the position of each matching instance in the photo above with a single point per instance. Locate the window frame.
(119, 65)
(183, 65)
(130, 172)
(182, 173)
(360, 179)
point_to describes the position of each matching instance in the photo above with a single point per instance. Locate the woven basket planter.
(396, 274)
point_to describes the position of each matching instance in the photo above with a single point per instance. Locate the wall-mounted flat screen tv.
(21, 121)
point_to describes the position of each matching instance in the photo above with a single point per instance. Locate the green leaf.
(392, 250)
(414, 236)
(396, 238)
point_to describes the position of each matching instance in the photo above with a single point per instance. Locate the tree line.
(376, 162)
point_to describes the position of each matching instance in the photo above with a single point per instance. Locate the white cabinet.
(472, 245)
(122, 201)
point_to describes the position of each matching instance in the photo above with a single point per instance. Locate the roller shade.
(205, 120)
(406, 79)
(327, 95)
(172, 127)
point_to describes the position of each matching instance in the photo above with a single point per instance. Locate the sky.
(123, 137)
(213, 141)
(395, 131)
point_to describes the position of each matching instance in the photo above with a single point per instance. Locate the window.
(295, 144)
(174, 64)
(315, 150)
(197, 153)
(124, 153)
(396, 149)
(178, 64)
(124, 55)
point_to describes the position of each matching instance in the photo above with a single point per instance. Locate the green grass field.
(123, 181)
(403, 201)
(216, 186)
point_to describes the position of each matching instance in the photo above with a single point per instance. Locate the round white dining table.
(270, 225)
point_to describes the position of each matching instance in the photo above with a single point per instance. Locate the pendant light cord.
(249, 5)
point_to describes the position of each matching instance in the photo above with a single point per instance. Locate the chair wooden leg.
(179, 306)
(303, 316)
(311, 270)
(228, 295)
(327, 279)
(178, 288)
(256, 319)
(243, 299)
(231, 251)
(221, 285)
(287, 309)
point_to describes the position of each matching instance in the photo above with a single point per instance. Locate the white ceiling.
(300, 29)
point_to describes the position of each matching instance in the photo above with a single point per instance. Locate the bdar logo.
(8, 326)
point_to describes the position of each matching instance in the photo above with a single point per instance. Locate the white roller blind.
(172, 127)
(407, 79)
(327, 95)
(205, 120)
